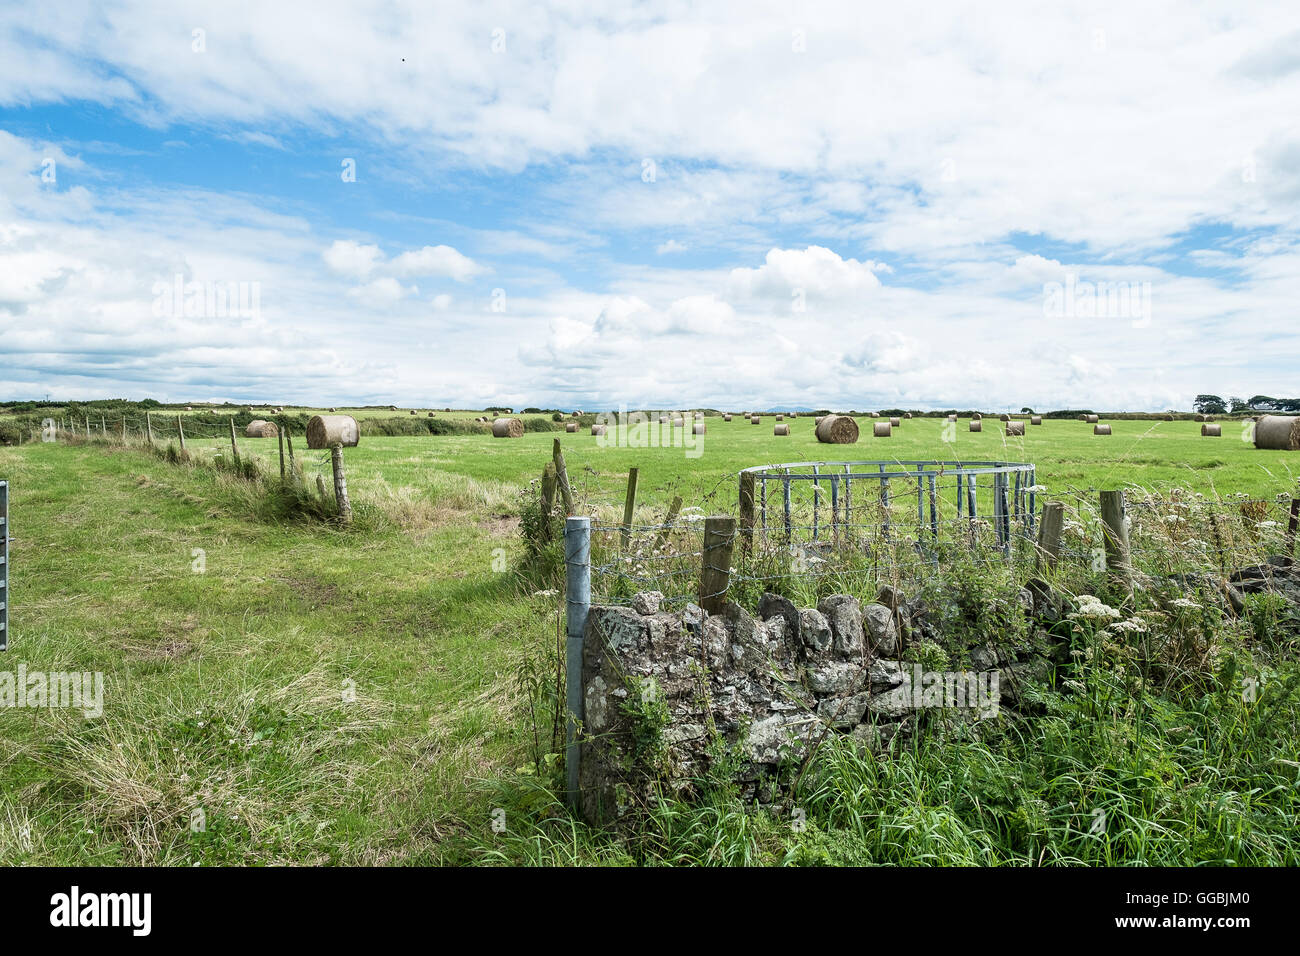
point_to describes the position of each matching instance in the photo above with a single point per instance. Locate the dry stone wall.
(670, 696)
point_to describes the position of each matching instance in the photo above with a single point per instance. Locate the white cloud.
(670, 247)
(436, 261)
(352, 259)
(382, 292)
(816, 271)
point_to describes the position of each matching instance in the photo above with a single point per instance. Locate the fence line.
(1154, 536)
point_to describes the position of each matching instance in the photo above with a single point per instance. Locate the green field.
(327, 695)
(1153, 455)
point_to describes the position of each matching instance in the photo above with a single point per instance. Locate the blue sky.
(677, 205)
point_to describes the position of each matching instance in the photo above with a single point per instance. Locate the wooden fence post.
(629, 507)
(180, 432)
(562, 478)
(667, 524)
(715, 568)
(293, 467)
(548, 499)
(280, 435)
(746, 511)
(1049, 536)
(1115, 534)
(148, 426)
(123, 429)
(234, 448)
(340, 483)
(1291, 525)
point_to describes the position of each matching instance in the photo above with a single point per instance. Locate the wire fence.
(201, 437)
(889, 541)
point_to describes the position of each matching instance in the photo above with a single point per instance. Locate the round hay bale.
(1278, 432)
(1201, 418)
(1004, 418)
(881, 430)
(779, 417)
(699, 428)
(837, 430)
(571, 427)
(907, 414)
(333, 409)
(507, 428)
(952, 418)
(1015, 428)
(977, 417)
(1083, 418)
(780, 429)
(1211, 431)
(431, 414)
(875, 414)
(414, 412)
(678, 423)
(1092, 419)
(189, 408)
(260, 429)
(1169, 418)
(726, 418)
(896, 422)
(1036, 420)
(1101, 429)
(1209, 418)
(325, 431)
(663, 419)
(753, 419)
(598, 429)
(976, 425)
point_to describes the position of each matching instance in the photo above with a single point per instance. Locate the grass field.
(353, 696)
(1149, 454)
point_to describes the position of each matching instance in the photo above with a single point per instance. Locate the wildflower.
(1092, 608)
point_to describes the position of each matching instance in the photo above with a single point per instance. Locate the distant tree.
(1236, 404)
(1210, 405)
(1026, 410)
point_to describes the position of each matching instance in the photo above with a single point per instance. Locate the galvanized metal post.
(817, 489)
(577, 578)
(1033, 495)
(835, 509)
(934, 508)
(786, 503)
(971, 504)
(848, 499)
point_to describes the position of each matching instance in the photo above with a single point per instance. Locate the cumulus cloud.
(443, 261)
(814, 271)
(347, 257)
